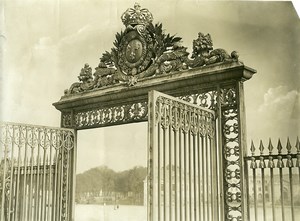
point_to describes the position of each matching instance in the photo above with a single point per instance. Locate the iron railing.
(36, 166)
(273, 181)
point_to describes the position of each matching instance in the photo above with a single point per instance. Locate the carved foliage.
(145, 50)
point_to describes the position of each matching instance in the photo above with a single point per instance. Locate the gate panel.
(182, 175)
(35, 168)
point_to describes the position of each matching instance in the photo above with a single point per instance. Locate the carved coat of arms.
(144, 50)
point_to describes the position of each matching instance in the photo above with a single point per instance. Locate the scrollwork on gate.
(181, 116)
(5, 169)
(206, 99)
(132, 112)
(232, 157)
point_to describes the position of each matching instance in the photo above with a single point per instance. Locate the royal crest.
(144, 50)
(134, 55)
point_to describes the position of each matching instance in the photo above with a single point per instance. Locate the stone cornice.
(173, 84)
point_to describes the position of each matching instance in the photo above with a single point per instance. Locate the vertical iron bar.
(291, 191)
(4, 174)
(289, 164)
(203, 176)
(281, 193)
(58, 182)
(73, 184)
(248, 189)
(67, 190)
(11, 177)
(213, 178)
(262, 167)
(55, 182)
(207, 176)
(194, 177)
(272, 192)
(61, 162)
(180, 174)
(47, 173)
(255, 194)
(21, 195)
(175, 167)
(18, 179)
(57, 193)
(220, 152)
(50, 178)
(280, 165)
(190, 176)
(170, 163)
(43, 206)
(241, 119)
(217, 190)
(263, 192)
(253, 166)
(31, 177)
(210, 181)
(271, 165)
(38, 188)
(217, 169)
(159, 171)
(210, 176)
(152, 159)
(199, 176)
(23, 215)
(164, 173)
(185, 175)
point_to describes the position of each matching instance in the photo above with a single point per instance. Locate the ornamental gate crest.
(144, 50)
(194, 106)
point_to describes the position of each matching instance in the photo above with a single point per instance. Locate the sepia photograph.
(135, 110)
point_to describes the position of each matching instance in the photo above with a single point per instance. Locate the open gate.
(36, 172)
(192, 175)
(182, 156)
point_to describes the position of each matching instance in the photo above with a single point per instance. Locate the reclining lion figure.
(204, 54)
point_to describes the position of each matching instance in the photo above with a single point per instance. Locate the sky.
(46, 43)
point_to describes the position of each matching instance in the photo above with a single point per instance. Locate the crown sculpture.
(145, 50)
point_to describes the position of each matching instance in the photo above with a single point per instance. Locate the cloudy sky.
(46, 43)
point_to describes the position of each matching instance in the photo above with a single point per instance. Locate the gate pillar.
(232, 141)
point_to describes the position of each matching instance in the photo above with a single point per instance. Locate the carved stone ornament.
(145, 50)
(135, 53)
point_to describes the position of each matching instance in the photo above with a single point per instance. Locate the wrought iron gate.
(182, 161)
(36, 169)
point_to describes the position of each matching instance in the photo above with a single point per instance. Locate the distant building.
(276, 186)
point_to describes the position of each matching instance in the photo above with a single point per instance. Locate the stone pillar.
(232, 131)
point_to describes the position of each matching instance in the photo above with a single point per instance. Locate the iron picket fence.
(273, 182)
